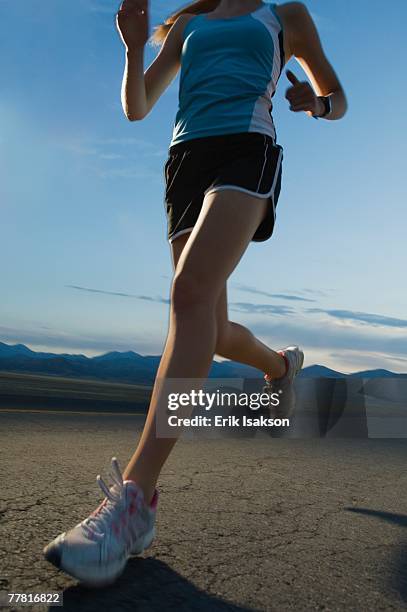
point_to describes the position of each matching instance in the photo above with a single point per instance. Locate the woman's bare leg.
(212, 252)
(238, 343)
(234, 341)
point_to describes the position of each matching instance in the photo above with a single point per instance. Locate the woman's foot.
(284, 386)
(96, 550)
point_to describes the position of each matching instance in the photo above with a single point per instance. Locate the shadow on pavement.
(399, 576)
(146, 585)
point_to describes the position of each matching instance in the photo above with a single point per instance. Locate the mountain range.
(130, 367)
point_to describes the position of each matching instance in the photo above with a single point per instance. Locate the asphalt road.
(250, 524)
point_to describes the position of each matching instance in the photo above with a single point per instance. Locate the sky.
(85, 261)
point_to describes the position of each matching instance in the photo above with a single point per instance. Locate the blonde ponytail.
(199, 6)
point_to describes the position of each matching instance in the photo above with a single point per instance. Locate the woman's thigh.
(221, 235)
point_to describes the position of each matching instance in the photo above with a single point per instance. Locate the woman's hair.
(199, 6)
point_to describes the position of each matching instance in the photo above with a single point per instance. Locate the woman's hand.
(132, 23)
(302, 97)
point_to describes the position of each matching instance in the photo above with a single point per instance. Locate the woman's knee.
(188, 292)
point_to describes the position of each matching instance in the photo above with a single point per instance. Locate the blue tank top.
(229, 73)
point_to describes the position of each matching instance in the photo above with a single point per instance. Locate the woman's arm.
(305, 45)
(141, 90)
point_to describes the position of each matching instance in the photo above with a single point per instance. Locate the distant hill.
(130, 367)
(378, 374)
(318, 371)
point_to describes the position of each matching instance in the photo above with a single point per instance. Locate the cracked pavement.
(243, 524)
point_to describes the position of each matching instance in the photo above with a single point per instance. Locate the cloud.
(402, 360)
(280, 296)
(265, 309)
(318, 292)
(112, 148)
(146, 298)
(327, 335)
(353, 358)
(118, 158)
(362, 317)
(246, 307)
(148, 147)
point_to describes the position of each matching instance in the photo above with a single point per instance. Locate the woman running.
(223, 178)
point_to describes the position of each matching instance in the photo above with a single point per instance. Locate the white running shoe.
(284, 386)
(96, 550)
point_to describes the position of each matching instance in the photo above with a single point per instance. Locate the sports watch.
(326, 100)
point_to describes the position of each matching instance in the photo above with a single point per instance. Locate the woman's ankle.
(147, 488)
(279, 369)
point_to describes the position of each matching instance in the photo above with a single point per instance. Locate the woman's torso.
(229, 73)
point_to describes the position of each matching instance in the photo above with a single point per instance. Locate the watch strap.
(328, 107)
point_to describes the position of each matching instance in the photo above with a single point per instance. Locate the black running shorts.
(248, 162)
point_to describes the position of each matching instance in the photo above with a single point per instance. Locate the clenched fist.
(132, 23)
(302, 97)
